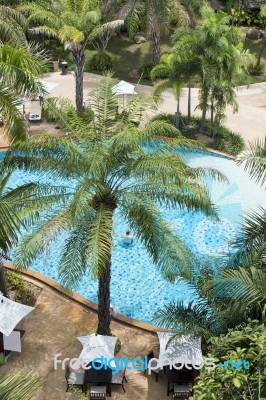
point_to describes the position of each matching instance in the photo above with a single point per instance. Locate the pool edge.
(30, 274)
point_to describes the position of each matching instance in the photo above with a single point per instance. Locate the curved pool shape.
(137, 288)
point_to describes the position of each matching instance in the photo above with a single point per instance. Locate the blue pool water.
(137, 288)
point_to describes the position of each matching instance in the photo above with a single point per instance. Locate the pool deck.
(249, 120)
(52, 328)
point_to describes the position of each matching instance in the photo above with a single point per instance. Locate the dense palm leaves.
(19, 386)
(254, 160)
(156, 17)
(20, 67)
(75, 24)
(212, 52)
(111, 170)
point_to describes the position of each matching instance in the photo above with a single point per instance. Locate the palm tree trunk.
(177, 114)
(263, 45)
(156, 46)
(3, 286)
(79, 61)
(189, 100)
(203, 120)
(104, 317)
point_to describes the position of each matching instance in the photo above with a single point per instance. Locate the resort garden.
(93, 166)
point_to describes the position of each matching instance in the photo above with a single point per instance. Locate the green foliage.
(19, 386)
(167, 117)
(244, 16)
(14, 281)
(99, 62)
(257, 69)
(2, 359)
(228, 142)
(117, 346)
(145, 71)
(247, 343)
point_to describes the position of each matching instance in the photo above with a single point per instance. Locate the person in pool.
(128, 238)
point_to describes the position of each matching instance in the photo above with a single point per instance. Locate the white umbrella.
(123, 88)
(10, 314)
(184, 349)
(96, 346)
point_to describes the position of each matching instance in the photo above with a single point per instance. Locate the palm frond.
(254, 160)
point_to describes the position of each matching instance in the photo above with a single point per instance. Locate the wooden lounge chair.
(119, 379)
(74, 378)
(157, 371)
(98, 392)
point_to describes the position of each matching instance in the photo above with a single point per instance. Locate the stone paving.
(53, 327)
(249, 121)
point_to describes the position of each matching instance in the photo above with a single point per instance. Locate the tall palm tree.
(112, 171)
(75, 24)
(216, 50)
(19, 386)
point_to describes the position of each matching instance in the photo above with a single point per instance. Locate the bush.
(145, 71)
(14, 281)
(257, 69)
(228, 142)
(167, 117)
(99, 62)
(25, 296)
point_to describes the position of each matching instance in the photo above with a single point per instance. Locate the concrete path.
(53, 328)
(250, 120)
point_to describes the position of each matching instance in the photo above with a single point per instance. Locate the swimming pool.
(137, 288)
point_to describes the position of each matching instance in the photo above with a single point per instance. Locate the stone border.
(31, 276)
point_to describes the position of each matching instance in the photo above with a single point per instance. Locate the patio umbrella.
(184, 349)
(11, 313)
(123, 88)
(95, 346)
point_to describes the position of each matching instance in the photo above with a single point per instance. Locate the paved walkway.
(53, 327)
(250, 120)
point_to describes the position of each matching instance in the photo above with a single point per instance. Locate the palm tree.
(11, 218)
(20, 68)
(254, 160)
(21, 64)
(174, 70)
(156, 17)
(112, 172)
(216, 50)
(19, 386)
(75, 24)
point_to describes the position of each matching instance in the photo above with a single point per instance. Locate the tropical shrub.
(228, 142)
(99, 62)
(242, 381)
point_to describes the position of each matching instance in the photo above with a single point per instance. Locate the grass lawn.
(127, 55)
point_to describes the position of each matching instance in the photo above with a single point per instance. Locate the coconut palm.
(112, 173)
(75, 24)
(19, 386)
